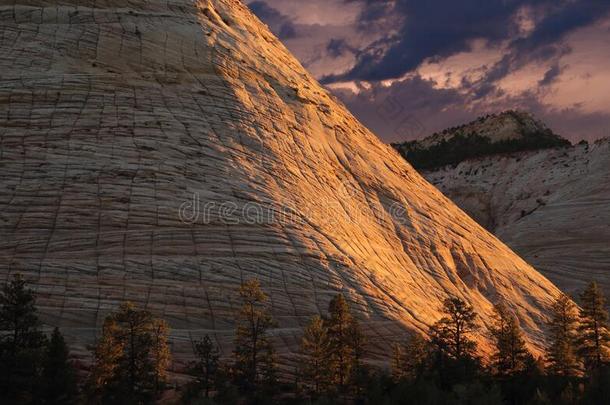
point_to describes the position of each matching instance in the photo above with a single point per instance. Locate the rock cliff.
(164, 151)
(551, 206)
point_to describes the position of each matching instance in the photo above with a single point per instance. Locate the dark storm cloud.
(550, 75)
(280, 24)
(415, 108)
(531, 41)
(440, 28)
(407, 109)
(338, 47)
(562, 20)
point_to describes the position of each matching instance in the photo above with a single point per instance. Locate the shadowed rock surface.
(114, 115)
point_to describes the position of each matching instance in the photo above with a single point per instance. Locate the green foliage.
(253, 354)
(409, 359)
(33, 369)
(510, 356)
(452, 333)
(597, 388)
(205, 368)
(333, 351)
(463, 146)
(358, 344)
(315, 346)
(58, 383)
(341, 356)
(22, 344)
(453, 356)
(593, 335)
(131, 358)
(561, 353)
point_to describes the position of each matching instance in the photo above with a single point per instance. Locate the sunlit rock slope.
(164, 151)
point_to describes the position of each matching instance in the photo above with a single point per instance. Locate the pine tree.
(22, 344)
(398, 364)
(58, 381)
(160, 352)
(409, 358)
(358, 342)
(451, 334)
(131, 357)
(315, 346)
(511, 355)
(561, 354)
(207, 366)
(341, 354)
(594, 338)
(107, 356)
(269, 374)
(251, 337)
(453, 352)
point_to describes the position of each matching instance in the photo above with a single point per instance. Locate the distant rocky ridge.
(506, 132)
(551, 205)
(146, 148)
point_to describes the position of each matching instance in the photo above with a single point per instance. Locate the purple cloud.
(450, 61)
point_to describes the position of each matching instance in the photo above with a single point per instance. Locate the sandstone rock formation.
(118, 120)
(551, 206)
(511, 124)
(507, 132)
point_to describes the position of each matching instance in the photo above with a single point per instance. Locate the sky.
(408, 68)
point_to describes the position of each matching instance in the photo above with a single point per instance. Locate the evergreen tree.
(207, 366)
(251, 337)
(398, 365)
(131, 357)
(359, 371)
(269, 374)
(22, 344)
(561, 354)
(160, 352)
(58, 382)
(107, 356)
(451, 334)
(315, 347)
(511, 356)
(593, 335)
(453, 352)
(409, 359)
(341, 354)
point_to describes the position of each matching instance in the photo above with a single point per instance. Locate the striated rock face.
(162, 152)
(551, 206)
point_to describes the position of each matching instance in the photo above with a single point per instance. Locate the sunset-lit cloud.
(444, 62)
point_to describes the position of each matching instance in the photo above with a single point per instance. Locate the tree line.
(471, 145)
(132, 359)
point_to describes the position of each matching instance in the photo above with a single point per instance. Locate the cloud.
(337, 47)
(550, 75)
(441, 28)
(279, 23)
(414, 108)
(443, 62)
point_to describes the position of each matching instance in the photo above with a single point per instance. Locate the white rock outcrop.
(551, 206)
(115, 116)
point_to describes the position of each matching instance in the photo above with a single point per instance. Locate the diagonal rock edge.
(114, 116)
